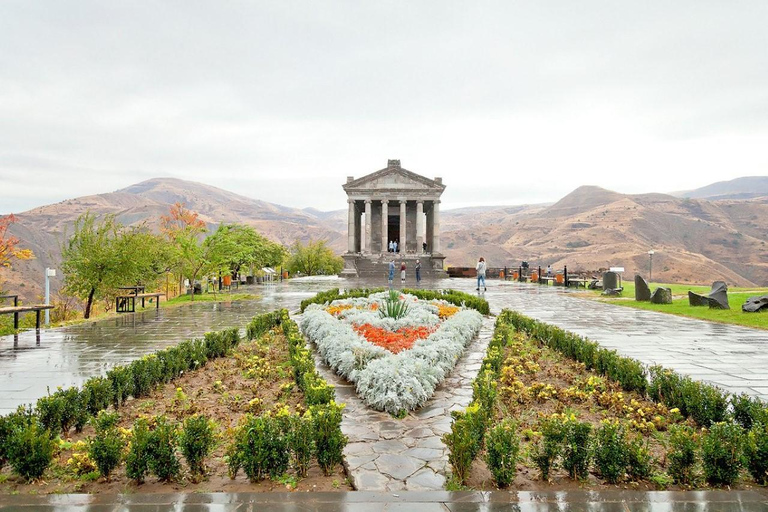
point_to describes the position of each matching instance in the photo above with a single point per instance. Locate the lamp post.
(49, 273)
(650, 265)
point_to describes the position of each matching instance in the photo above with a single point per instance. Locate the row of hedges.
(731, 440)
(467, 435)
(316, 390)
(26, 435)
(705, 403)
(455, 297)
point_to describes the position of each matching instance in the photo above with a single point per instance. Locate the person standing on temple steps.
(418, 271)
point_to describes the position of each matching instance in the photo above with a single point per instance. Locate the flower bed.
(552, 407)
(396, 363)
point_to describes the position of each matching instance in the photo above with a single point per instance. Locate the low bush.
(455, 297)
(756, 452)
(98, 394)
(301, 441)
(721, 453)
(138, 458)
(261, 447)
(196, 441)
(163, 461)
(705, 403)
(121, 379)
(503, 451)
(683, 444)
(576, 448)
(106, 447)
(547, 450)
(329, 440)
(748, 410)
(30, 449)
(639, 458)
(611, 451)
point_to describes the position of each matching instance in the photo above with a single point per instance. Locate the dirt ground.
(257, 377)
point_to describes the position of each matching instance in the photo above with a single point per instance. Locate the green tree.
(185, 231)
(314, 258)
(235, 247)
(102, 255)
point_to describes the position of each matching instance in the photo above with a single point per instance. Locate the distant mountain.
(44, 229)
(739, 188)
(696, 240)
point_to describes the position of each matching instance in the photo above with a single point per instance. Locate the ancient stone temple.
(393, 205)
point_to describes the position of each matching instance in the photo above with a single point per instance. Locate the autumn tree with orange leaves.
(9, 245)
(185, 230)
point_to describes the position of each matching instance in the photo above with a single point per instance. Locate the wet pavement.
(437, 501)
(387, 458)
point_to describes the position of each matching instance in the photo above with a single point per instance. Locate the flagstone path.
(390, 454)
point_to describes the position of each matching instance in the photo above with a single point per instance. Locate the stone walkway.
(390, 454)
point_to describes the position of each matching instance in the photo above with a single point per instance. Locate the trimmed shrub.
(748, 410)
(163, 461)
(503, 452)
(683, 444)
(302, 443)
(547, 450)
(97, 394)
(484, 392)
(50, 410)
(121, 379)
(261, 447)
(639, 459)
(611, 451)
(705, 403)
(329, 440)
(576, 448)
(137, 460)
(196, 441)
(30, 450)
(106, 447)
(721, 453)
(756, 452)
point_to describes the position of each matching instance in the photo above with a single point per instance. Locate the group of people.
(392, 246)
(402, 271)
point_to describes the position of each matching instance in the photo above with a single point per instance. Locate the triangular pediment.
(394, 178)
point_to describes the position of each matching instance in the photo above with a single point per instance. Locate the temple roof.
(394, 179)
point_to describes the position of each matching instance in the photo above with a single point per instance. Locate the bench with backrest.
(127, 303)
(16, 309)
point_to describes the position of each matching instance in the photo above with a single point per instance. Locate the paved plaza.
(386, 456)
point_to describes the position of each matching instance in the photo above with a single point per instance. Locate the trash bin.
(227, 280)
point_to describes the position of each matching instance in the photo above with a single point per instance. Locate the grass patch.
(680, 307)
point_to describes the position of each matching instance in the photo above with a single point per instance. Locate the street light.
(650, 265)
(49, 273)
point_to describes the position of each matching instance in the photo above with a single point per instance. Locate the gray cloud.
(271, 96)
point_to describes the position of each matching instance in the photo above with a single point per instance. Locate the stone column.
(368, 237)
(436, 227)
(351, 226)
(419, 227)
(403, 226)
(384, 225)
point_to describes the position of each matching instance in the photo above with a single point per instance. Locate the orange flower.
(336, 310)
(397, 341)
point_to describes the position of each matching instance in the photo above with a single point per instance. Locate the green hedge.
(455, 297)
(316, 390)
(334, 294)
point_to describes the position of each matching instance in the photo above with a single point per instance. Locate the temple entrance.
(393, 229)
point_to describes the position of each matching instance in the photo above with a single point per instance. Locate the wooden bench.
(127, 303)
(578, 282)
(16, 309)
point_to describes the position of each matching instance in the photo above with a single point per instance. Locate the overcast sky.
(510, 102)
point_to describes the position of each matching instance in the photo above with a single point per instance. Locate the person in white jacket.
(481, 273)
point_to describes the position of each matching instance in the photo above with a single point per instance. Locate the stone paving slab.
(390, 454)
(725, 501)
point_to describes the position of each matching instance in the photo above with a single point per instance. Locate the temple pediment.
(394, 178)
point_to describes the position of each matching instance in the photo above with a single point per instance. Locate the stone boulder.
(694, 299)
(612, 292)
(610, 281)
(755, 304)
(662, 296)
(718, 297)
(642, 291)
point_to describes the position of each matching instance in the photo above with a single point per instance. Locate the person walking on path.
(418, 271)
(481, 273)
(391, 272)
(402, 271)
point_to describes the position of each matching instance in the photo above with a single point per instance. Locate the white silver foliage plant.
(395, 383)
